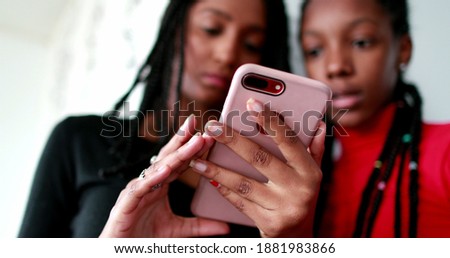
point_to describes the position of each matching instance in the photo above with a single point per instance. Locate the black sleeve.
(51, 202)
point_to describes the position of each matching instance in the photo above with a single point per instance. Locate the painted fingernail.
(213, 128)
(198, 166)
(214, 183)
(254, 105)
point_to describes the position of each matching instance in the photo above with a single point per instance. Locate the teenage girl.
(386, 173)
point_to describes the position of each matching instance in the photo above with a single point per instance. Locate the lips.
(347, 100)
(216, 80)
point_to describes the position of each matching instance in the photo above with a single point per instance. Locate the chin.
(214, 102)
(349, 120)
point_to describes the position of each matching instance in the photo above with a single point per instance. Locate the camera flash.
(277, 87)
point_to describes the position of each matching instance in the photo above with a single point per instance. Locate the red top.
(353, 165)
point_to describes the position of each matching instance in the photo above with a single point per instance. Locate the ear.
(405, 52)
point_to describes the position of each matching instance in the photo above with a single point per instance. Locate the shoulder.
(83, 143)
(74, 124)
(435, 149)
(87, 131)
(436, 133)
(435, 138)
(73, 129)
(94, 125)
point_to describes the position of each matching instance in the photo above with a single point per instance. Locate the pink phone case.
(302, 100)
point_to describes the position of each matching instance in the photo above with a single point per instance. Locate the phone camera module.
(255, 82)
(263, 84)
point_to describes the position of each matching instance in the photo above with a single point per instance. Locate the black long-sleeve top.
(69, 198)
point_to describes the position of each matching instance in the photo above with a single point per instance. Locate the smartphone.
(301, 102)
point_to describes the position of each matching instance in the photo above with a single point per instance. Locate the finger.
(136, 189)
(253, 210)
(199, 227)
(209, 142)
(183, 135)
(179, 159)
(251, 152)
(317, 145)
(260, 158)
(245, 187)
(287, 140)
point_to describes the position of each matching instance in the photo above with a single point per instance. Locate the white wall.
(83, 66)
(95, 50)
(430, 67)
(22, 72)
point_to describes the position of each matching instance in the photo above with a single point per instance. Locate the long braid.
(398, 195)
(156, 74)
(384, 163)
(327, 167)
(179, 80)
(411, 140)
(414, 162)
(381, 186)
(406, 132)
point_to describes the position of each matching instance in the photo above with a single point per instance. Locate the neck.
(380, 122)
(201, 111)
(203, 114)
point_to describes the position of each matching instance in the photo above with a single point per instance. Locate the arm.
(49, 211)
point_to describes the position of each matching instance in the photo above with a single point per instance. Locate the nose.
(226, 51)
(339, 63)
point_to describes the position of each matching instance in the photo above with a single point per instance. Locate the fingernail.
(254, 105)
(213, 128)
(198, 166)
(183, 128)
(214, 183)
(193, 138)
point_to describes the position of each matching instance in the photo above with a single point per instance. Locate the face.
(350, 45)
(221, 35)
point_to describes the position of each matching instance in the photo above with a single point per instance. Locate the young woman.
(88, 172)
(386, 173)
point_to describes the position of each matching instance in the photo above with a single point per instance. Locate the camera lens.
(263, 84)
(255, 82)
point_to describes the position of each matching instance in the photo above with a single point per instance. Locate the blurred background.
(74, 57)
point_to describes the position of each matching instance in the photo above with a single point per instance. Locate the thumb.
(317, 146)
(199, 227)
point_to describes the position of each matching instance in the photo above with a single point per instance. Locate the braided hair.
(156, 73)
(401, 147)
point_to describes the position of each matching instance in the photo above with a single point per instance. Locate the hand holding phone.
(299, 104)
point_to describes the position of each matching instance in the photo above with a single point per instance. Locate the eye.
(253, 47)
(362, 43)
(312, 53)
(212, 31)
